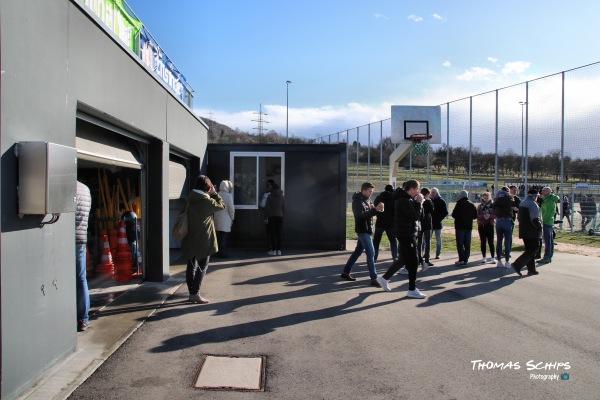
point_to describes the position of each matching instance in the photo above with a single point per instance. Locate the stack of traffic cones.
(123, 261)
(106, 267)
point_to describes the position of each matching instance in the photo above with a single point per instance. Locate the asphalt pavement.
(482, 332)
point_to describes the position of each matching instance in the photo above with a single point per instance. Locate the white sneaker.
(384, 283)
(500, 264)
(278, 252)
(507, 265)
(492, 260)
(272, 252)
(484, 260)
(403, 271)
(424, 266)
(416, 294)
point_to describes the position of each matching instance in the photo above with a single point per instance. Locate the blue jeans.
(548, 242)
(390, 235)
(504, 233)
(438, 242)
(364, 244)
(463, 244)
(81, 286)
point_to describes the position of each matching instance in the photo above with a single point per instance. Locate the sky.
(350, 60)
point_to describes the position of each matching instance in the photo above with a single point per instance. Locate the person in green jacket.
(201, 241)
(548, 209)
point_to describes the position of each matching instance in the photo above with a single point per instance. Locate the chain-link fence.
(544, 132)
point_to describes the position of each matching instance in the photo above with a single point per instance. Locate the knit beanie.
(463, 193)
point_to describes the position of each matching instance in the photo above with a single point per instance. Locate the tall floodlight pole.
(287, 109)
(522, 103)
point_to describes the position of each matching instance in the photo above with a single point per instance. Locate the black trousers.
(528, 256)
(195, 272)
(486, 235)
(408, 257)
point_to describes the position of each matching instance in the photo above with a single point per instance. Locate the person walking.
(385, 222)
(82, 212)
(588, 211)
(464, 213)
(224, 218)
(424, 238)
(363, 211)
(548, 210)
(530, 230)
(486, 220)
(505, 206)
(275, 209)
(407, 210)
(440, 211)
(201, 240)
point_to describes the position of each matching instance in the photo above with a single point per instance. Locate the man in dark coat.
(440, 211)
(530, 230)
(407, 210)
(363, 211)
(385, 222)
(464, 213)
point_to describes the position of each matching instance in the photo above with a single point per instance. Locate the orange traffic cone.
(123, 261)
(106, 266)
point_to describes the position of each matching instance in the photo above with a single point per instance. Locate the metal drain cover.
(231, 373)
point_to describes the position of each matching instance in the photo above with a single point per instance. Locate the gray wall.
(56, 59)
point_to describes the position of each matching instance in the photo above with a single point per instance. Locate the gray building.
(70, 81)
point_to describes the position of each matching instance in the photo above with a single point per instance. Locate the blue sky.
(350, 60)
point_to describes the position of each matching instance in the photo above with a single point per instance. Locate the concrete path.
(483, 333)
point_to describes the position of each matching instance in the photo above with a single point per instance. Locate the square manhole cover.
(231, 373)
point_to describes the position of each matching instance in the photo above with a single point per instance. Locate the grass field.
(449, 243)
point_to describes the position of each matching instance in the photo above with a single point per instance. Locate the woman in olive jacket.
(201, 240)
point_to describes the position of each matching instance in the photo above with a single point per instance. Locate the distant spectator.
(224, 218)
(566, 210)
(275, 210)
(440, 211)
(464, 213)
(486, 220)
(548, 211)
(588, 211)
(424, 238)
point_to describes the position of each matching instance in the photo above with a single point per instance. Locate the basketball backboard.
(409, 120)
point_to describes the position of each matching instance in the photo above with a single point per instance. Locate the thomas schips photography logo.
(537, 370)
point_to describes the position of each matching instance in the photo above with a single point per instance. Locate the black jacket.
(464, 213)
(385, 219)
(440, 211)
(504, 203)
(427, 215)
(406, 214)
(363, 213)
(530, 226)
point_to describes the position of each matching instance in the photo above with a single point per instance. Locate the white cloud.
(415, 18)
(379, 16)
(492, 59)
(447, 64)
(476, 74)
(438, 17)
(515, 67)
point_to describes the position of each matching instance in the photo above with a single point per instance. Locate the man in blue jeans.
(363, 211)
(82, 212)
(506, 205)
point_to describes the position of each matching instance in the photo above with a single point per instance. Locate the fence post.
(526, 135)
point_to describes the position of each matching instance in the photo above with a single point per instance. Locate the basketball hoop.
(419, 137)
(420, 143)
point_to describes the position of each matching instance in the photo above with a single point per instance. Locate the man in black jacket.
(407, 210)
(385, 222)
(363, 211)
(424, 238)
(464, 213)
(440, 211)
(530, 230)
